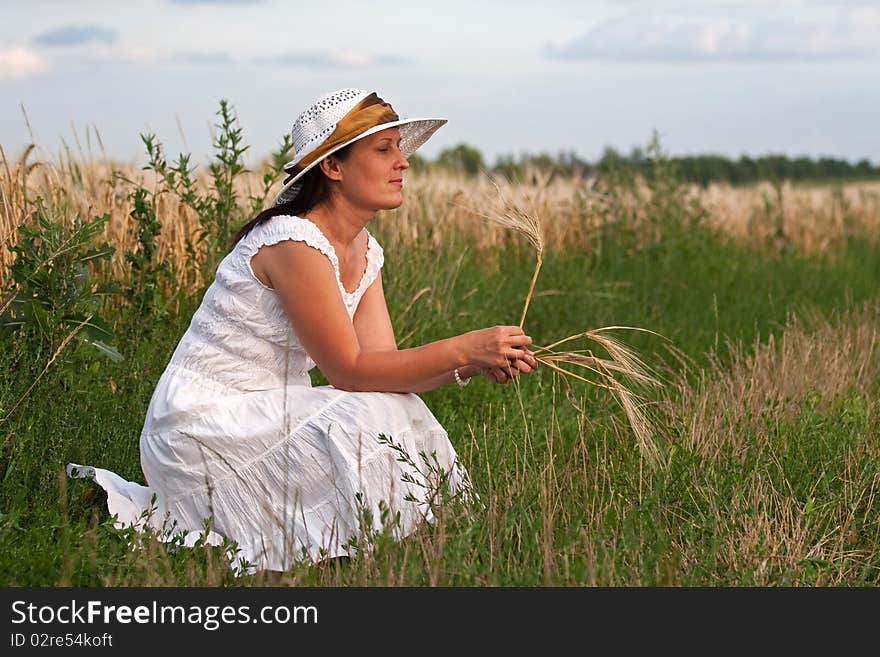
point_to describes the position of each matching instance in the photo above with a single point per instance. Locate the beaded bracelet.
(458, 379)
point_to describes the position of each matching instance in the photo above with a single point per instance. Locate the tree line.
(698, 169)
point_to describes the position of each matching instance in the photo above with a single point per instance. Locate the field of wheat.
(767, 424)
(810, 219)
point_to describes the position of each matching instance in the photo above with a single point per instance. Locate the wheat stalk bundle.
(596, 371)
(624, 362)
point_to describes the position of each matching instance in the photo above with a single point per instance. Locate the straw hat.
(336, 120)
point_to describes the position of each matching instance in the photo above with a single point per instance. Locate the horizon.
(251, 156)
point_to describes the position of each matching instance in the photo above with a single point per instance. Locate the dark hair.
(314, 190)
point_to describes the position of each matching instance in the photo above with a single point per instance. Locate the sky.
(737, 77)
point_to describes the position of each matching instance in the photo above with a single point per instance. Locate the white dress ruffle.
(235, 432)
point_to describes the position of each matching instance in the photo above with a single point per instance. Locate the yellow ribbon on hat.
(368, 113)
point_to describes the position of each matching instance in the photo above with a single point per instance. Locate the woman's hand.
(495, 347)
(523, 364)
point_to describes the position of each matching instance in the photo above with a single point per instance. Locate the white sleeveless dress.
(236, 432)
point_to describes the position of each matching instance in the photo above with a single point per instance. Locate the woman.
(236, 433)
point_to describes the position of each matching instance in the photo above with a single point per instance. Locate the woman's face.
(372, 175)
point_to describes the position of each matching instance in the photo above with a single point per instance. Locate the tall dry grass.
(815, 356)
(808, 218)
(813, 219)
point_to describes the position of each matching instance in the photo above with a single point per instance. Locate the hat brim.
(413, 133)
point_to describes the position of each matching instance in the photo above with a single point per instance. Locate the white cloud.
(820, 33)
(21, 62)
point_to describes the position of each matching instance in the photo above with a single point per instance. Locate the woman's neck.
(340, 222)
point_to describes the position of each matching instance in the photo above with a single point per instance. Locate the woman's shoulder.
(289, 227)
(289, 223)
(284, 227)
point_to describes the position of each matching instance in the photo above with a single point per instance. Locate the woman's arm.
(372, 323)
(306, 286)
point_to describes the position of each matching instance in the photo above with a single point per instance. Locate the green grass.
(568, 500)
